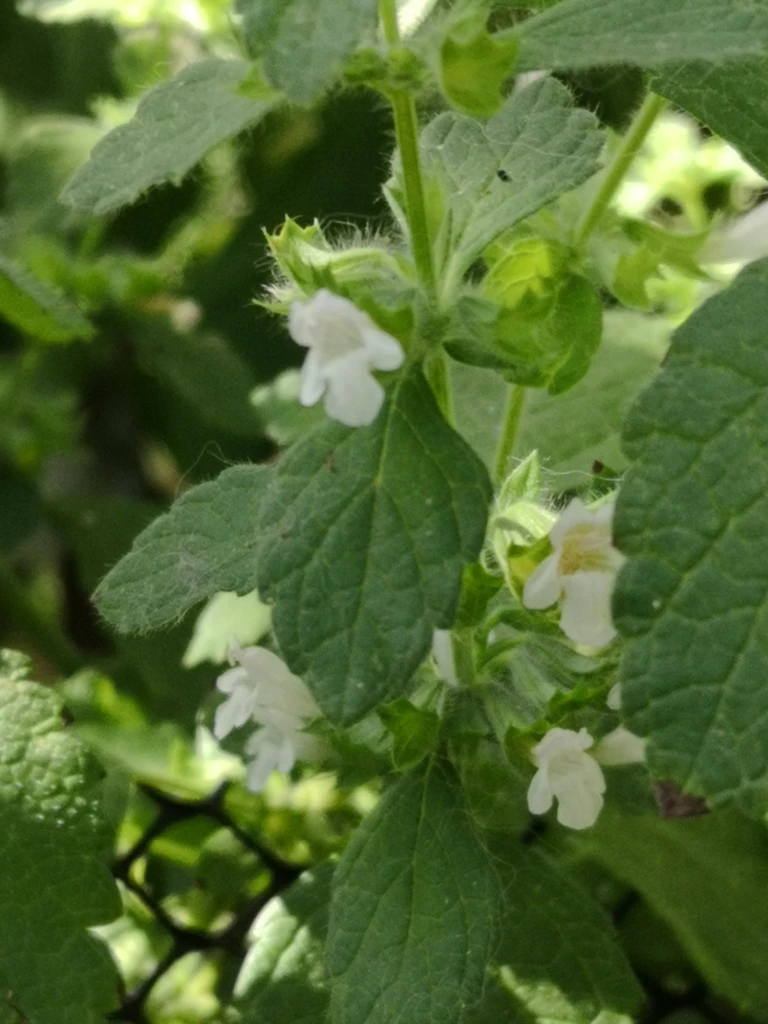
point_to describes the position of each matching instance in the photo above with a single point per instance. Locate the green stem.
(407, 135)
(622, 161)
(436, 369)
(43, 634)
(515, 404)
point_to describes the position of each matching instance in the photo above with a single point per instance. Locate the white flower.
(566, 772)
(741, 241)
(581, 570)
(613, 700)
(345, 345)
(442, 652)
(262, 689)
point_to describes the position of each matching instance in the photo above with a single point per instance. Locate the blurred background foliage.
(155, 373)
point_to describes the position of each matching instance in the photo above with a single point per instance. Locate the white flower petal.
(313, 382)
(354, 397)
(442, 651)
(234, 712)
(740, 242)
(259, 770)
(620, 747)
(586, 611)
(576, 513)
(561, 741)
(540, 795)
(299, 324)
(580, 808)
(384, 351)
(613, 700)
(542, 588)
(228, 681)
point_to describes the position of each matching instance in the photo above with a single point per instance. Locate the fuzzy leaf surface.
(558, 958)
(55, 846)
(206, 543)
(175, 125)
(588, 33)
(539, 141)
(692, 518)
(413, 911)
(365, 534)
(305, 42)
(730, 97)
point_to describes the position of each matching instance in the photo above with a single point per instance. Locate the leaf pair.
(419, 909)
(359, 535)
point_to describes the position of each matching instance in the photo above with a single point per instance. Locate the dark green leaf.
(708, 879)
(362, 564)
(282, 980)
(729, 97)
(414, 908)
(692, 516)
(558, 959)
(414, 732)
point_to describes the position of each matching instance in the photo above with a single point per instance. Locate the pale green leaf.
(414, 909)
(226, 617)
(730, 97)
(175, 125)
(305, 42)
(543, 146)
(692, 517)
(708, 879)
(588, 33)
(282, 980)
(54, 854)
(362, 565)
(414, 732)
(207, 542)
(36, 307)
(558, 960)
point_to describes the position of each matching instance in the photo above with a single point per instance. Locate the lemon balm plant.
(534, 651)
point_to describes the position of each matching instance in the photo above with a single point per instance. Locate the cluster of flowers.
(345, 346)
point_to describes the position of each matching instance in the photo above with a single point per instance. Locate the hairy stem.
(506, 446)
(622, 161)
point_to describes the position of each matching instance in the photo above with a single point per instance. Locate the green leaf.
(558, 959)
(362, 565)
(474, 65)
(207, 542)
(175, 125)
(54, 852)
(588, 33)
(708, 879)
(283, 977)
(692, 516)
(226, 616)
(36, 308)
(552, 351)
(414, 732)
(413, 911)
(729, 97)
(306, 42)
(542, 146)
